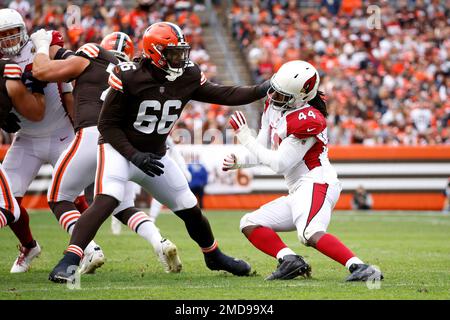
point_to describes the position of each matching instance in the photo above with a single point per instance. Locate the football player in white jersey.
(14, 95)
(293, 142)
(35, 143)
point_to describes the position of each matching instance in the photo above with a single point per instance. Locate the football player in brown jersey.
(144, 102)
(90, 67)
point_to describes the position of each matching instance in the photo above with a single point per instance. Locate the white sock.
(284, 252)
(353, 260)
(155, 209)
(150, 232)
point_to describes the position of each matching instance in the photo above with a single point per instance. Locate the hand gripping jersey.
(302, 123)
(92, 85)
(55, 115)
(9, 70)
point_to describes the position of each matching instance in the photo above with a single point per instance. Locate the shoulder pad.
(12, 71)
(89, 50)
(305, 123)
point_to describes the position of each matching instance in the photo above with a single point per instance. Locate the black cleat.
(216, 260)
(64, 271)
(290, 267)
(364, 272)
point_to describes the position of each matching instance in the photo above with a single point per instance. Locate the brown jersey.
(9, 70)
(142, 106)
(91, 84)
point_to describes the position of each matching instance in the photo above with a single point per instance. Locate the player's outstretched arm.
(29, 105)
(288, 154)
(49, 70)
(230, 95)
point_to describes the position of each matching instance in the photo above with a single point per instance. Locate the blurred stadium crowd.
(387, 85)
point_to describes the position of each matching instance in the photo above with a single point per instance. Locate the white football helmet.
(295, 83)
(11, 44)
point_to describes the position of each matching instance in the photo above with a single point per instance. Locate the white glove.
(230, 163)
(41, 40)
(239, 124)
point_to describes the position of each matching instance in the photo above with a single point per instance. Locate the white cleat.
(168, 256)
(92, 260)
(116, 226)
(23, 261)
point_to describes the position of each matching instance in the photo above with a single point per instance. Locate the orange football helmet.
(120, 44)
(164, 44)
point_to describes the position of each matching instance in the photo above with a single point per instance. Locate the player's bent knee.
(306, 234)
(185, 201)
(246, 222)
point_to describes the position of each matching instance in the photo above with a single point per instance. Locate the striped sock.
(75, 249)
(3, 221)
(68, 220)
(143, 226)
(211, 248)
(136, 220)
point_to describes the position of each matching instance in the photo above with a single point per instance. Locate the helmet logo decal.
(309, 84)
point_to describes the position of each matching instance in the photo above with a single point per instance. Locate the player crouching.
(294, 125)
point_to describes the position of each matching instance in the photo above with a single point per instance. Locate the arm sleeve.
(66, 87)
(228, 95)
(289, 153)
(245, 159)
(110, 123)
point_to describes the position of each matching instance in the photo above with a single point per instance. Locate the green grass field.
(412, 249)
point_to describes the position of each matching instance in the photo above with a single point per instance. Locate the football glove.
(239, 124)
(41, 40)
(11, 123)
(230, 162)
(148, 162)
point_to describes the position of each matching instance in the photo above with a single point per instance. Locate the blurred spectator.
(95, 19)
(362, 200)
(22, 6)
(384, 86)
(199, 181)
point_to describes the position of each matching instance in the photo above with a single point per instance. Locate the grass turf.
(411, 248)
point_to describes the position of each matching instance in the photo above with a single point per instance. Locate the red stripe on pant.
(319, 194)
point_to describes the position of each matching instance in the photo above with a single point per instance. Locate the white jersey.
(308, 130)
(55, 115)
